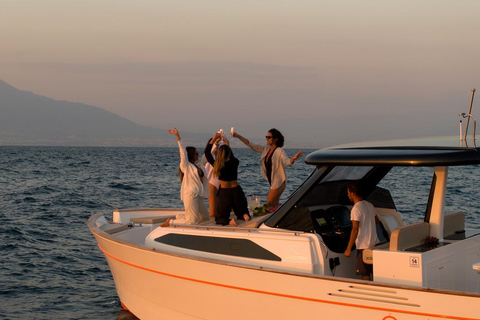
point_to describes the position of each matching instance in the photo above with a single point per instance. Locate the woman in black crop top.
(230, 194)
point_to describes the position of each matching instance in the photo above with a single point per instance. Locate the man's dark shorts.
(363, 268)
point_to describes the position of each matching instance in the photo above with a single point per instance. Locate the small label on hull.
(414, 262)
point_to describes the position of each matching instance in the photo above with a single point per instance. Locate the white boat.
(290, 263)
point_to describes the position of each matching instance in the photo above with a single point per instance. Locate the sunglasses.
(268, 137)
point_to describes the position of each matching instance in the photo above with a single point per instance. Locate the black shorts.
(228, 199)
(363, 268)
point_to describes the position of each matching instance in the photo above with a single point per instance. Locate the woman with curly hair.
(273, 161)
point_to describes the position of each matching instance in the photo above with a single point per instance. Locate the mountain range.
(27, 118)
(30, 119)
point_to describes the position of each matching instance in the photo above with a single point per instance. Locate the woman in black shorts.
(230, 194)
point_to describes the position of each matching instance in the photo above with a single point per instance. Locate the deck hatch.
(227, 246)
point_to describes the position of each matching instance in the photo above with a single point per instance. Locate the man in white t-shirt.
(364, 232)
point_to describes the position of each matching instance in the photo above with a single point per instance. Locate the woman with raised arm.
(273, 161)
(194, 185)
(230, 194)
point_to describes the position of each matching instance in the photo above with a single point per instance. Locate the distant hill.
(30, 119)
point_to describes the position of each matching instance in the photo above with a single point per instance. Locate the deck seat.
(112, 228)
(454, 223)
(150, 220)
(367, 254)
(409, 236)
(389, 221)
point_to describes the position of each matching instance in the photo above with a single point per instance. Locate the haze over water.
(321, 71)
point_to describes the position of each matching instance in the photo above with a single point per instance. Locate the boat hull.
(159, 285)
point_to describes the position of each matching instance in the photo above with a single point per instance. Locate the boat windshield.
(406, 190)
(346, 173)
(330, 190)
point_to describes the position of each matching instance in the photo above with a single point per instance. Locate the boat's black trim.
(227, 246)
(428, 209)
(395, 156)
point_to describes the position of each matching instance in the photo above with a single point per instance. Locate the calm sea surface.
(50, 265)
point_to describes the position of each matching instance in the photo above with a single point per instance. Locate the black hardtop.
(417, 152)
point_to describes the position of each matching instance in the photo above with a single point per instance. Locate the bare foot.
(233, 223)
(246, 217)
(166, 223)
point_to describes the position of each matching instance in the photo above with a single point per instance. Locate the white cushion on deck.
(454, 221)
(112, 228)
(409, 236)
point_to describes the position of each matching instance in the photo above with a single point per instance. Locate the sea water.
(50, 265)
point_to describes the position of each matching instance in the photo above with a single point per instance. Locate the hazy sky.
(325, 71)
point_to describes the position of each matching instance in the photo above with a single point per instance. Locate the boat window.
(219, 245)
(404, 189)
(332, 189)
(463, 193)
(347, 173)
(410, 188)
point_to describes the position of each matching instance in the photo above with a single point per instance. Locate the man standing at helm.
(364, 232)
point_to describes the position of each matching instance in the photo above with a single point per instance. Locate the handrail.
(468, 116)
(228, 228)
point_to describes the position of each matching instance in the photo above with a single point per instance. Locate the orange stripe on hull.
(124, 306)
(290, 296)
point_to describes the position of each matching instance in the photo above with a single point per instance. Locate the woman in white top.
(273, 161)
(194, 186)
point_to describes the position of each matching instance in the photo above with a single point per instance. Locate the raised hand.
(173, 131)
(296, 156)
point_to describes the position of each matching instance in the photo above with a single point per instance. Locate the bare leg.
(212, 200)
(166, 223)
(273, 197)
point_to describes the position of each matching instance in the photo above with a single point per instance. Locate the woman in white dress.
(194, 186)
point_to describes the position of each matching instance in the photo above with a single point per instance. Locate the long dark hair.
(191, 151)
(224, 154)
(191, 154)
(278, 137)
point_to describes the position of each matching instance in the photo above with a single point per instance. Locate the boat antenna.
(468, 116)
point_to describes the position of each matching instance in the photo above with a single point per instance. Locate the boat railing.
(468, 116)
(125, 215)
(235, 229)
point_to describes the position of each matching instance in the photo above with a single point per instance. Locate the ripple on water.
(50, 259)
